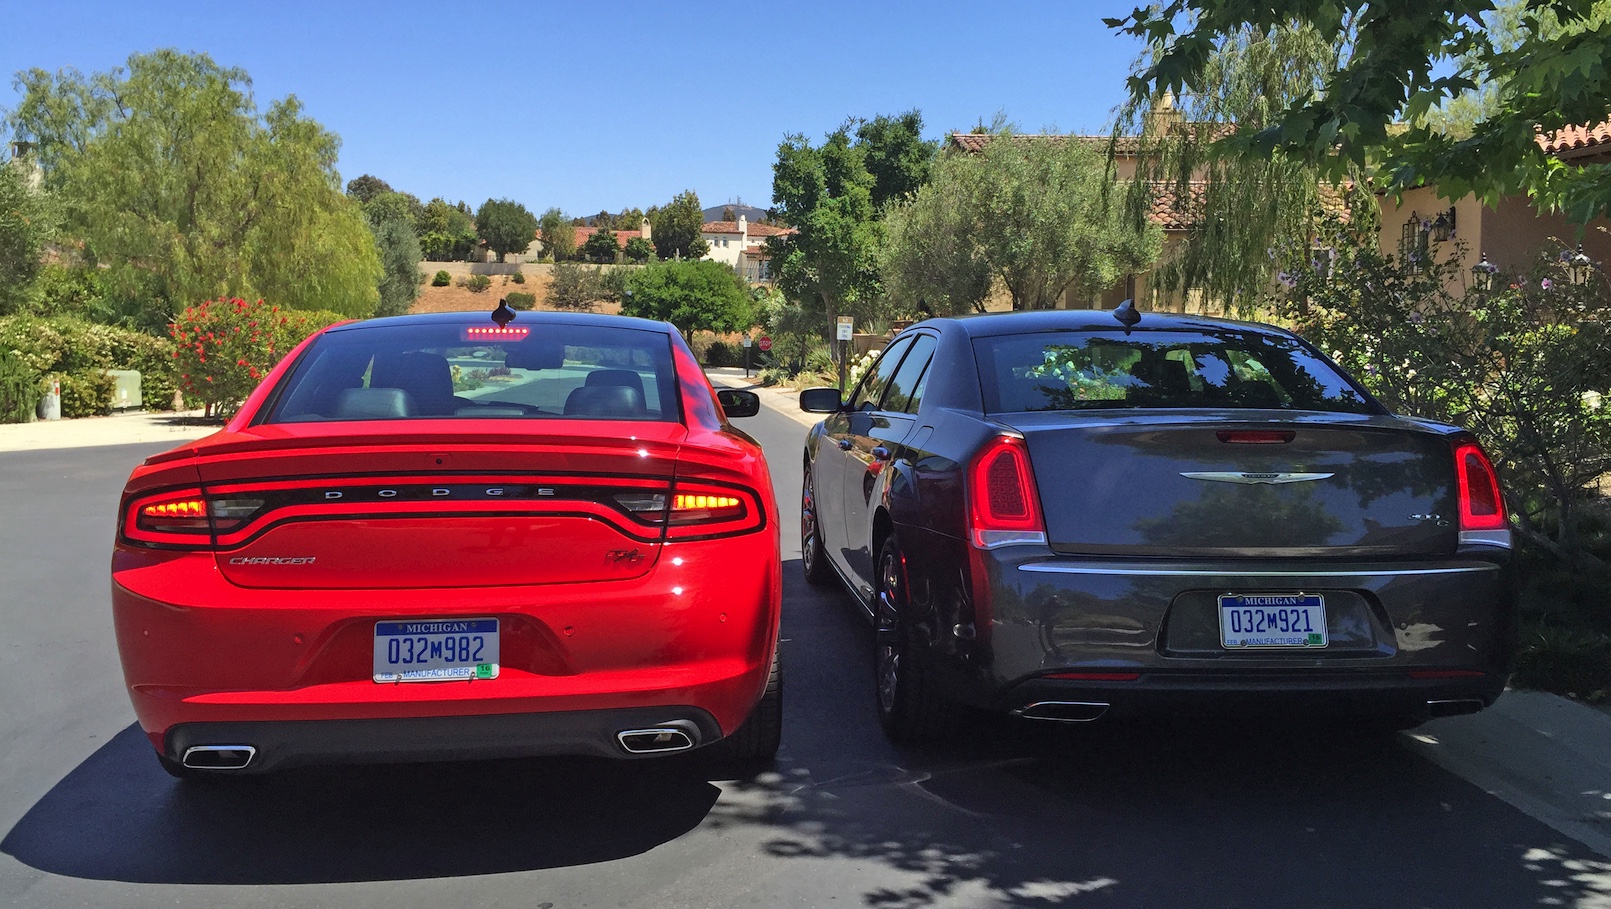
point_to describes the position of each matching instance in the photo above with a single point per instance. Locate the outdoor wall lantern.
(1580, 267)
(1443, 225)
(1482, 274)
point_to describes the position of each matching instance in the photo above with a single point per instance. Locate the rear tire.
(758, 739)
(909, 708)
(813, 557)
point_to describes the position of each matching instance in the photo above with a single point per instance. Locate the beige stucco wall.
(1512, 233)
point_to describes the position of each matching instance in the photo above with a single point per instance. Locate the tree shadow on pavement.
(117, 816)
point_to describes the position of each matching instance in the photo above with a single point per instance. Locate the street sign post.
(746, 343)
(846, 331)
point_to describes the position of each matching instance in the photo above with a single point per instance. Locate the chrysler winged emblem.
(1253, 479)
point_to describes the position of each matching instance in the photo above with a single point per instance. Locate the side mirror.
(821, 400)
(738, 403)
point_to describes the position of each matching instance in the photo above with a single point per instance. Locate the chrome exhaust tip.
(218, 757)
(1063, 711)
(678, 735)
(1453, 707)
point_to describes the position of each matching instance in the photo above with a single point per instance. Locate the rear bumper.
(693, 636)
(1288, 696)
(1400, 633)
(278, 745)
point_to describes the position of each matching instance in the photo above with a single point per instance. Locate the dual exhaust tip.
(678, 735)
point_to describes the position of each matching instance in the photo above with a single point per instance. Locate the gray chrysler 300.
(1065, 516)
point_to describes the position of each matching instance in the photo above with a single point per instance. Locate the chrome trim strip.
(1254, 479)
(1496, 538)
(1043, 568)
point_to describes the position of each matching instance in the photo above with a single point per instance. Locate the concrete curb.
(88, 432)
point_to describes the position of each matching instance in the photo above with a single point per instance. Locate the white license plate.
(1286, 620)
(436, 650)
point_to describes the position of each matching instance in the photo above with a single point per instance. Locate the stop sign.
(765, 343)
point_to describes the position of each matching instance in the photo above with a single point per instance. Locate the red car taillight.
(1481, 505)
(700, 510)
(1003, 501)
(176, 519)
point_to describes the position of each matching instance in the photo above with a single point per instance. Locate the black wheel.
(909, 709)
(813, 558)
(759, 737)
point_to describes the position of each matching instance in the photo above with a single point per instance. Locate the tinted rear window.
(1157, 369)
(440, 372)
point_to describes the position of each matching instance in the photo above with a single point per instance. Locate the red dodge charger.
(442, 537)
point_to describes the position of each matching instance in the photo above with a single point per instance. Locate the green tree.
(26, 223)
(676, 227)
(639, 249)
(446, 233)
(1038, 215)
(1240, 207)
(367, 187)
(826, 193)
(600, 246)
(1392, 67)
(559, 236)
(629, 219)
(692, 294)
(505, 226)
(398, 249)
(182, 191)
(896, 155)
(576, 288)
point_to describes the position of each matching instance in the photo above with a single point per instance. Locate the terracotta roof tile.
(754, 228)
(1574, 141)
(582, 233)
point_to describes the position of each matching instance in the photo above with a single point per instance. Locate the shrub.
(518, 278)
(86, 393)
(225, 347)
(639, 249)
(19, 389)
(475, 283)
(65, 344)
(520, 300)
(720, 353)
(1525, 363)
(442, 279)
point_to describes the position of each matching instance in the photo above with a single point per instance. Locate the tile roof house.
(741, 244)
(1510, 234)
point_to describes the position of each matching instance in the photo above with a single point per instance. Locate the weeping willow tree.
(1245, 212)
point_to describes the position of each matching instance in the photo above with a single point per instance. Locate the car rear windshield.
(1157, 369)
(455, 371)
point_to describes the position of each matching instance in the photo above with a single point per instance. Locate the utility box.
(126, 391)
(50, 403)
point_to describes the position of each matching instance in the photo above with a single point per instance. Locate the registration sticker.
(1272, 620)
(436, 650)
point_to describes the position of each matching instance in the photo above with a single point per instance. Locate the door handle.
(844, 444)
(881, 453)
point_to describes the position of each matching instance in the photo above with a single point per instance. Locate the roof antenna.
(503, 315)
(1127, 315)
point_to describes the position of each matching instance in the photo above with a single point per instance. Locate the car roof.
(523, 317)
(979, 325)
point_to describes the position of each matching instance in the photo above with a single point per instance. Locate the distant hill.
(750, 212)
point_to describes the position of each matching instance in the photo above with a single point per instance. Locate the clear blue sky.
(608, 105)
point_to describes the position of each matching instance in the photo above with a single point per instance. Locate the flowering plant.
(223, 348)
